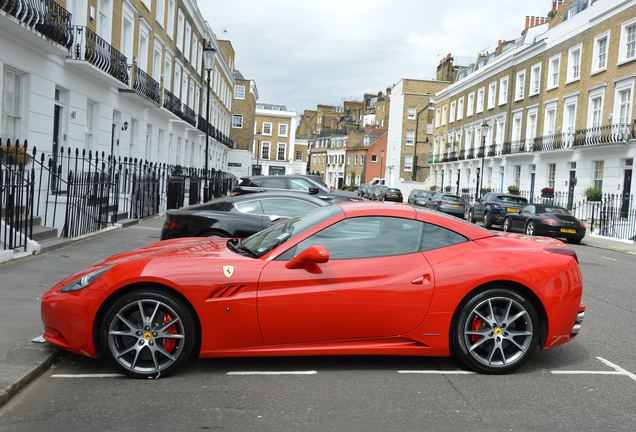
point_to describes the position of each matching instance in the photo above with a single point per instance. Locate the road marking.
(617, 371)
(611, 259)
(87, 375)
(437, 372)
(311, 372)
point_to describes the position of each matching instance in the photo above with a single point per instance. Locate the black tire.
(506, 225)
(471, 216)
(144, 347)
(495, 331)
(486, 220)
(530, 228)
(216, 234)
(575, 240)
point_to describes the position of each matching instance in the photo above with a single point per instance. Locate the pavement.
(23, 282)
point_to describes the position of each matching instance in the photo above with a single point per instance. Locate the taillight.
(495, 205)
(549, 221)
(168, 224)
(563, 251)
(443, 202)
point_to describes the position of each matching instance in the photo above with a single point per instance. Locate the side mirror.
(313, 254)
(313, 191)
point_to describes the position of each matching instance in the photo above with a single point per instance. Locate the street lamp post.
(258, 153)
(208, 58)
(381, 163)
(484, 134)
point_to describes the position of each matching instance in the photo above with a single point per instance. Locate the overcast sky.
(302, 53)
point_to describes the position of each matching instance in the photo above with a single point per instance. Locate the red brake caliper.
(169, 344)
(475, 325)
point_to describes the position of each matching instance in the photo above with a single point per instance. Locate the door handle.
(421, 280)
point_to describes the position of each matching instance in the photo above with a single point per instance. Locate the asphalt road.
(588, 384)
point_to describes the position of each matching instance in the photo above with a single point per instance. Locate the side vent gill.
(228, 291)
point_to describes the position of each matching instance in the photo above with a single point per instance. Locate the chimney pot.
(527, 21)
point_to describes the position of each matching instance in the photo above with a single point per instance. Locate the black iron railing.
(45, 16)
(189, 115)
(145, 85)
(202, 125)
(96, 51)
(172, 103)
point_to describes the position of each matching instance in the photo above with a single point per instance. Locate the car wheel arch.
(215, 232)
(116, 295)
(515, 287)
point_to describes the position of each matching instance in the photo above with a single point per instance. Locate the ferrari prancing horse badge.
(228, 271)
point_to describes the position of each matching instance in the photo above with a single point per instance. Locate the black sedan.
(237, 216)
(447, 203)
(546, 220)
(392, 194)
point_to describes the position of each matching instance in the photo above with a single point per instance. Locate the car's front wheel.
(506, 225)
(530, 228)
(471, 216)
(148, 333)
(495, 331)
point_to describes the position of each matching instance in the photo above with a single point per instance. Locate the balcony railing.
(604, 135)
(201, 124)
(96, 51)
(172, 103)
(189, 115)
(145, 85)
(45, 16)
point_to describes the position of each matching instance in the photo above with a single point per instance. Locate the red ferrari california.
(348, 278)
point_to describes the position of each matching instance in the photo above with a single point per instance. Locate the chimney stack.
(527, 21)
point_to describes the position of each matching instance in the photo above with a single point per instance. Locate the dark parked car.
(362, 189)
(447, 203)
(420, 197)
(238, 216)
(546, 220)
(493, 208)
(377, 192)
(392, 194)
(296, 183)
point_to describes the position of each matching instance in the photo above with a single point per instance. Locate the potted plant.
(513, 189)
(484, 191)
(447, 188)
(593, 193)
(547, 192)
(433, 188)
(465, 190)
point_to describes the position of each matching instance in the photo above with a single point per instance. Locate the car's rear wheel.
(575, 240)
(530, 228)
(215, 234)
(487, 223)
(471, 216)
(148, 333)
(506, 225)
(495, 331)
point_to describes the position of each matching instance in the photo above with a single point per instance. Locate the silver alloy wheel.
(141, 338)
(498, 332)
(530, 228)
(506, 225)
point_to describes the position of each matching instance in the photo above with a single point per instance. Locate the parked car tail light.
(549, 221)
(495, 205)
(563, 251)
(582, 225)
(443, 202)
(168, 224)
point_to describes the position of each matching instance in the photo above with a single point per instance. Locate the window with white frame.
(355, 159)
(551, 175)
(599, 55)
(180, 26)
(411, 113)
(595, 110)
(554, 67)
(237, 121)
(598, 174)
(11, 106)
(282, 129)
(161, 11)
(470, 107)
(518, 176)
(444, 109)
(503, 90)
(188, 40)
(265, 149)
(480, 99)
(569, 119)
(492, 95)
(438, 116)
(281, 151)
(89, 131)
(267, 128)
(520, 85)
(623, 102)
(408, 162)
(516, 130)
(627, 47)
(549, 124)
(313, 160)
(410, 137)
(239, 92)
(469, 137)
(374, 158)
(574, 63)
(451, 115)
(170, 26)
(531, 126)
(460, 108)
(535, 80)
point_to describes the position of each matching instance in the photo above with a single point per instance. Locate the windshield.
(272, 237)
(511, 199)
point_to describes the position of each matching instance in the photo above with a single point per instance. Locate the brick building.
(242, 131)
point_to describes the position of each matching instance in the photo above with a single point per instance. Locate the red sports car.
(347, 278)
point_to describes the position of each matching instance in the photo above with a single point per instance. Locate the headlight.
(86, 280)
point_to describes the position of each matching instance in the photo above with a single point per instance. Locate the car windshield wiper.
(246, 249)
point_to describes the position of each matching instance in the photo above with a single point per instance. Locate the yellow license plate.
(395, 196)
(513, 210)
(454, 205)
(567, 230)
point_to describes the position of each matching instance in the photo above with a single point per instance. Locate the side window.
(251, 207)
(300, 184)
(436, 237)
(286, 207)
(529, 210)
(367, 237)
(275, 183)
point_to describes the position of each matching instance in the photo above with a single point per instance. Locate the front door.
(571, 186)
(532, 177)
(627, 187)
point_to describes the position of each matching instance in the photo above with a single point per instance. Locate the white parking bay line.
(437, 372)
(617, 371)
(88, 376)
(310, 372)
